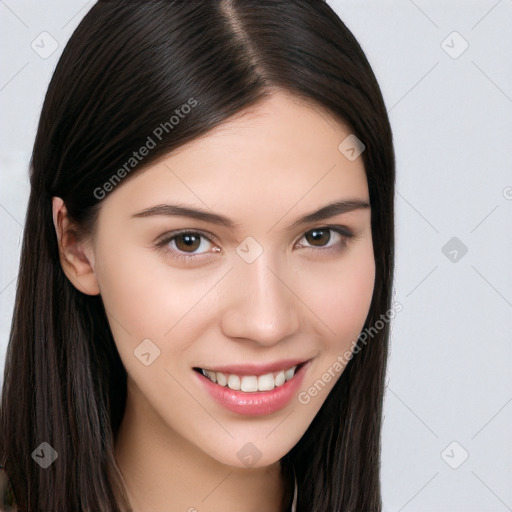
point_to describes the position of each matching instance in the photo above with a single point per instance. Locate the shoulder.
(7, 499)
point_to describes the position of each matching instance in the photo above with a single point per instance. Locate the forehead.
(278, 154)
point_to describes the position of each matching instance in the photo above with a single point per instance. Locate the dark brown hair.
(126, 69)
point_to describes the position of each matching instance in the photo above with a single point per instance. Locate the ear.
(76, 258)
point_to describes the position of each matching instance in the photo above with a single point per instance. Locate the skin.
(177, 448)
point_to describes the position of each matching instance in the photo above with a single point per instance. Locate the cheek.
(144, 297)
(147, 298)
(341, 296)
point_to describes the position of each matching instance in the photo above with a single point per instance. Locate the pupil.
(188, 240)
(317, 234)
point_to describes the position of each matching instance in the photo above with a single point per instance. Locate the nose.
(259, 305)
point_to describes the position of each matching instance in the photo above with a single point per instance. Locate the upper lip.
(255, 368)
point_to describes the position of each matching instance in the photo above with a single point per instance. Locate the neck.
(163, 472)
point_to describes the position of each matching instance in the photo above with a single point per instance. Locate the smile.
(254, 390)
(250, 383)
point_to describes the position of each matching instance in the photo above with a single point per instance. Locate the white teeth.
(288, 374)
(266, 382)
(280, 379)
(251, 383)
(234, 382)
(211, 375)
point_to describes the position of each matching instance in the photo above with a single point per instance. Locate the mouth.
(248, 383)
(254, 389)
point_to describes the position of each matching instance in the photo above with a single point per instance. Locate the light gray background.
(450, 376)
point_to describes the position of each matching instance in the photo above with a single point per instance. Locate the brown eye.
(187, 242)
(318, 237)
(323, 240)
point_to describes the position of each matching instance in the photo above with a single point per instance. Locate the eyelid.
(344, 232)
(171, 234)
(166, 238)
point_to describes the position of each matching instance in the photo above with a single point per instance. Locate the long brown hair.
(126, 69)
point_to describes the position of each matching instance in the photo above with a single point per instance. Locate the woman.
(209, 236)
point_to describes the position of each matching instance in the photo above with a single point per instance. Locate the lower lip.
(258, 403)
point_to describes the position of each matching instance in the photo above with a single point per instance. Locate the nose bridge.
(260, 305)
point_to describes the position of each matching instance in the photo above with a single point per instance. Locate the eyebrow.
(330, 210)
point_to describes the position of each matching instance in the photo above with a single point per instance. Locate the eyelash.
(161, 244)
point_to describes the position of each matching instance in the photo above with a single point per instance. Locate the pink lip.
(256, 369)
(258, 403)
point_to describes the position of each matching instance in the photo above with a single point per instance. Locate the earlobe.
(76, 258)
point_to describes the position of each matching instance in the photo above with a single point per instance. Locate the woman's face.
(246, 302)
